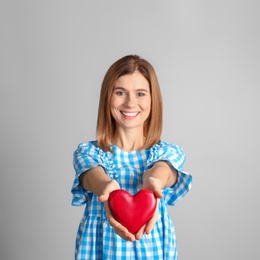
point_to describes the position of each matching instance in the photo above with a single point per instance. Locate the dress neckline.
(117, 149)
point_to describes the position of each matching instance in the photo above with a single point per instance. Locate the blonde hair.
(106, 125)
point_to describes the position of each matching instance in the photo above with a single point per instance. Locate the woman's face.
(131, 101)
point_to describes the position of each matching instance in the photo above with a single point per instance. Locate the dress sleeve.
(85, 158)
(173, 154)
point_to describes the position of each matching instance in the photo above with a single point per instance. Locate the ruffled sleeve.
(173, 154)
(87, 156)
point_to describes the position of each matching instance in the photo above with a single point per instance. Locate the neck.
(128, 141)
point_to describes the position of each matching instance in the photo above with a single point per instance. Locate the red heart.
(132, 211)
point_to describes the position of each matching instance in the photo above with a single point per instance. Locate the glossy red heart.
(132, 211)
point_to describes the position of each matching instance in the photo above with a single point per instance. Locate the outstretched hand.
(148, 227)
(154, 185)
(118, 228)
(110, 186)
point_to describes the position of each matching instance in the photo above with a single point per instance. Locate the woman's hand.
(154, 185)
(148, 227)
(161, 175)
(119, 229)
(110, 186)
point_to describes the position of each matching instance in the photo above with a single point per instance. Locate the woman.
(129, 155)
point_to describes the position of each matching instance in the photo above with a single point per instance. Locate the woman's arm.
(98, 182)
(161, 175)
(95, 180)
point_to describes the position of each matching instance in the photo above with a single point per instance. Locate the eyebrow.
(139, 89)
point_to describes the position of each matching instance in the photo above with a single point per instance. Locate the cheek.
(114, 108)
(115, 102)
(147, 105)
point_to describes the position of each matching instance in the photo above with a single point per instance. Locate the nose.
(130, 101)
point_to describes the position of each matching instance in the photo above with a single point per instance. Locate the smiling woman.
(128, 155)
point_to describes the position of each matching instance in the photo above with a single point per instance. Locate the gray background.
(54, 55)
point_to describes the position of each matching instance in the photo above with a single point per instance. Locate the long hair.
(106, 125)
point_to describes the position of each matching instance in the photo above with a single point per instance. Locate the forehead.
(134, 80)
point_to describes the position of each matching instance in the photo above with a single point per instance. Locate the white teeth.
(129, 114)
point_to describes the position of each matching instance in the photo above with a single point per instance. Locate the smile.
(128, 114)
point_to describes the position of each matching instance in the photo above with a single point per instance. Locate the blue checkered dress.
(96, 239)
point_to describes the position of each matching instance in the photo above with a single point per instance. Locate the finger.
(158, 194)
(124, 233)
(119, 229)
(140, 232)
(150, 224)
(103, 197)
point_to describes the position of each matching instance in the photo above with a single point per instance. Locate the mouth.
(129, 115)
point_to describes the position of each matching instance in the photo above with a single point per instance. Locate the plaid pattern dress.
(96, 239)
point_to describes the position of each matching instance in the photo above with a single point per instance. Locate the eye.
(140, 94)
(120, 93)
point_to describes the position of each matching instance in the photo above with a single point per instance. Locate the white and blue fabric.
(96, 239)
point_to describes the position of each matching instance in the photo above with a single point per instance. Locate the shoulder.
(87, 146)
(166, 147)
(89, 149)
(169, 152)
(88, 155)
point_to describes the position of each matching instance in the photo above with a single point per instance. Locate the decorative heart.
(132, 211)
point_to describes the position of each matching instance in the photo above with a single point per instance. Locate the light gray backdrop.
(54, 55)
